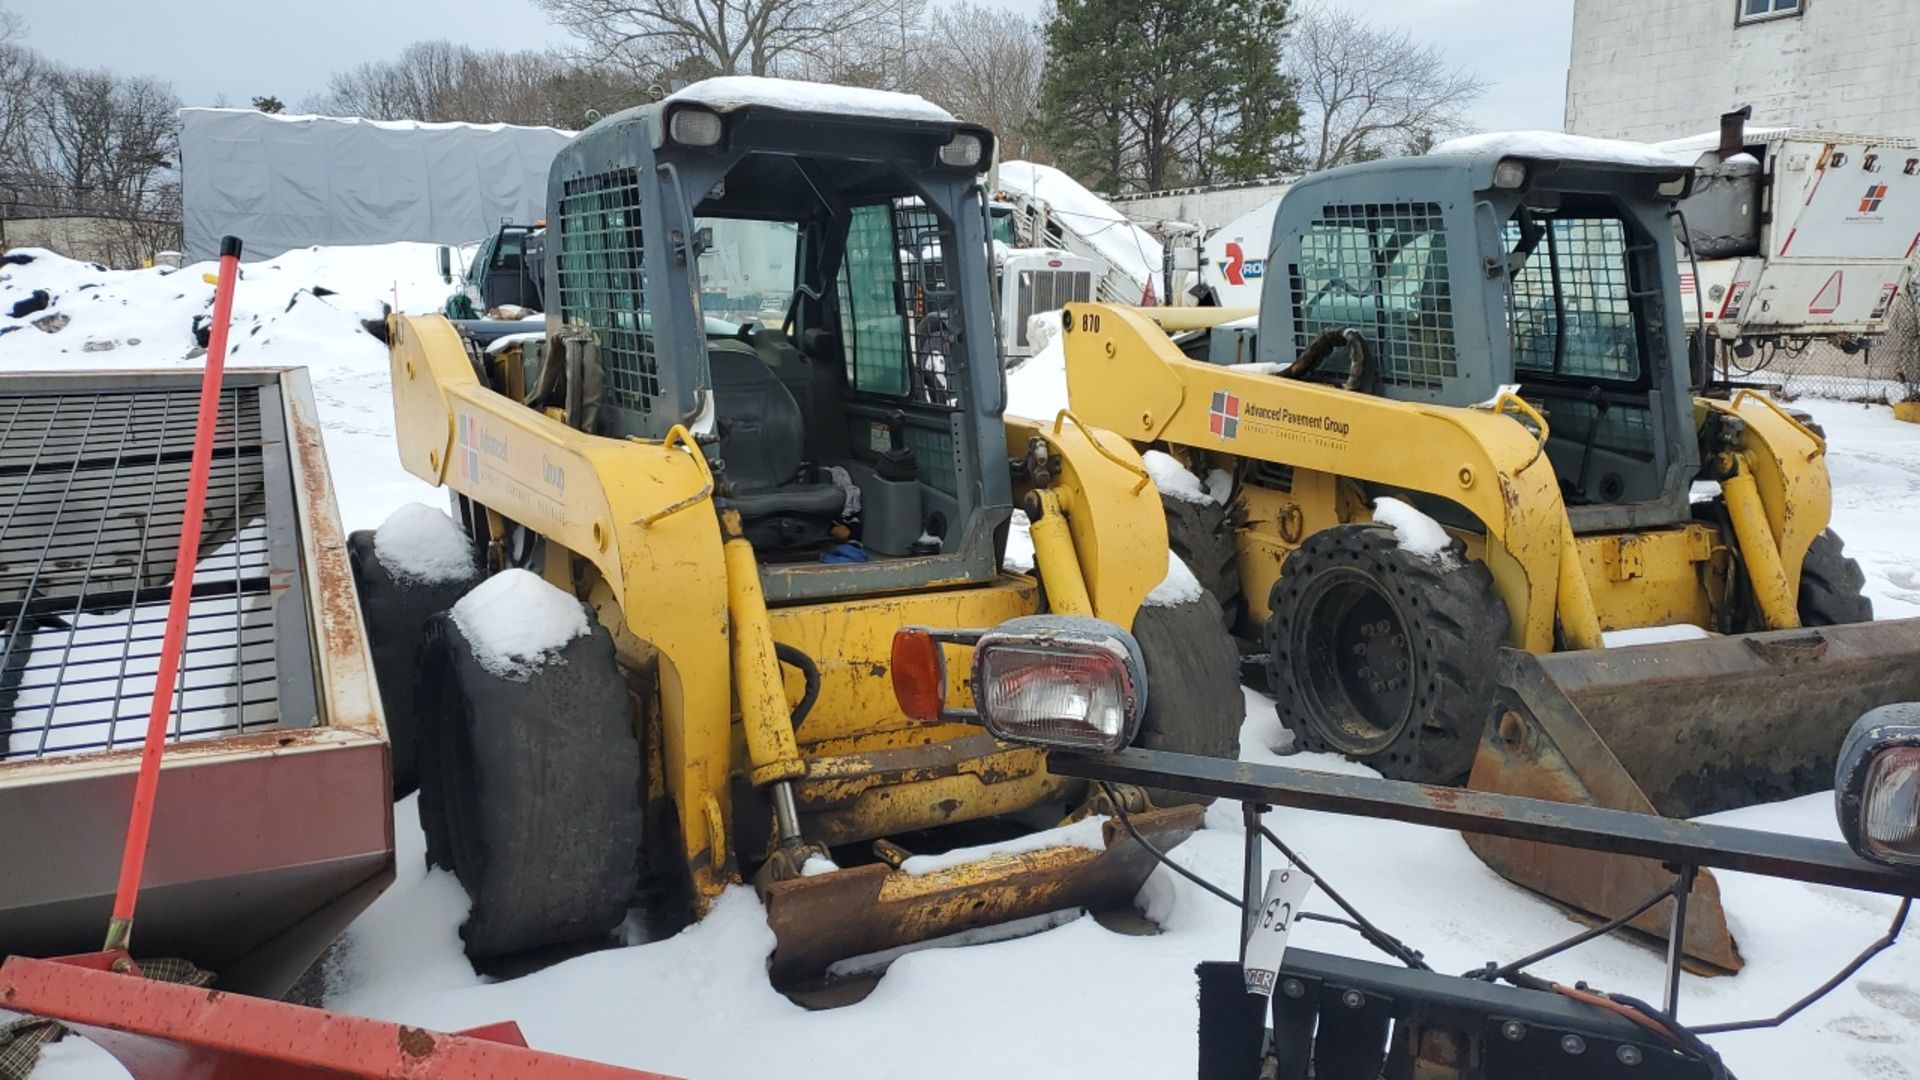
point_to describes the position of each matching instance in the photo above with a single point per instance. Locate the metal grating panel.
(1572, 313)
(603, 282)
(92, 487)
(1381, 269)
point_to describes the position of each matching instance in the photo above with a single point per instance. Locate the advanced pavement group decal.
(1229, 412)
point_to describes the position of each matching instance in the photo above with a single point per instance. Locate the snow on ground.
(1047, 1001)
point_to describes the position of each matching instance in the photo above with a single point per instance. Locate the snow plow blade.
(163, 1031)
(868, 909)
(1681, 729)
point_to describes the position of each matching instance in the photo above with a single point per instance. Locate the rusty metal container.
(274, 826)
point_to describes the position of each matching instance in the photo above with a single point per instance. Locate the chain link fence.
(1886, 371)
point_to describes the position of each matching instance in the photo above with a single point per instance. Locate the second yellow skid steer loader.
(761, 435)
(1468, 424)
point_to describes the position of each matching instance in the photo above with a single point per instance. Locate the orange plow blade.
(161, 1031)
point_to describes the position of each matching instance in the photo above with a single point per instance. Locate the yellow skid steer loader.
(760, 435)
(1465, 421)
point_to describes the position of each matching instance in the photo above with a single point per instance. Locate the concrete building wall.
(1661, 69)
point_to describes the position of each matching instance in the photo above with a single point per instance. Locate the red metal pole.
(133, 859)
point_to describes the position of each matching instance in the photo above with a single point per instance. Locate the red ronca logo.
(1871, 202)
(1223, 419)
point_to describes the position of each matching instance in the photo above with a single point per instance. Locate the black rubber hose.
(809, 674)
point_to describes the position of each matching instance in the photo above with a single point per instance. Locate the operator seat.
(763, 443)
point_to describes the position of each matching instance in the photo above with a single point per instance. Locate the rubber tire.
(1194, 703)
(1202, 536)
(1455, 623)
(1832, 588)
(396, 614)
(530, 791)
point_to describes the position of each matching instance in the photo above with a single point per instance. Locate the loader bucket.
(1681, 729)
(867, 909)
(161, 1031)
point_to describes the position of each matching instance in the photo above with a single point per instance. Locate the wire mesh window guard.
(1381, 269)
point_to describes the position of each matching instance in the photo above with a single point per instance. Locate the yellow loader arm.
(1124, 374)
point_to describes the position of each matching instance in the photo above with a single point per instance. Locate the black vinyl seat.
(763, 443)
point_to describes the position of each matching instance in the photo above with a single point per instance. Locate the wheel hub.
(1357, 657)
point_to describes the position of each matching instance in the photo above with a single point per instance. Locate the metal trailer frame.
(1334, 1015)
(273, 827)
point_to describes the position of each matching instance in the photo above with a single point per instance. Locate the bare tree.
(984, 64)
(1369, 92)
(439, 81)
(795, 38)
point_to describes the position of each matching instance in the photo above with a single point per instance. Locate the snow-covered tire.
(396, 614)
(1201, 534)
(1832, 588)
(1194, 703)
(530, 790)
(1384, 655)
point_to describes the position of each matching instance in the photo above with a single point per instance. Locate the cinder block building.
(1659, 69)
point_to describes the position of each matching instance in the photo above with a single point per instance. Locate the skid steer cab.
(762, 433)
(1469, 423)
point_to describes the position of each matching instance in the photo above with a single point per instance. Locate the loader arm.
(1124, 374)
(1788, 465)
(1112, 510)
(626, 506)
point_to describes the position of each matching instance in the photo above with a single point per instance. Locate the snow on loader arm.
(1472, 425)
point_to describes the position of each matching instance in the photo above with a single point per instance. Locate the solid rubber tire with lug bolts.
(1194, 703)
(1385, 655)
(396, 613)
(530, 790)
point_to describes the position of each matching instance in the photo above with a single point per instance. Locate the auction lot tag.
(1286, 890)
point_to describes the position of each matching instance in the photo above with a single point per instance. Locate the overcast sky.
(234, 49)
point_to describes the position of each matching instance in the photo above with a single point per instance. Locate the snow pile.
(1129, 248)
(794, 95)
(421, 545)
(1178, 587)
(1085, 833)
(1173, 479)
(1019, 556)
(1042, 328)
(1416, 533)
(515, 622)
(1874, 462)
(303, 308)
(1651, 635)
(1220, 486)
(1037, 389)
(1558, 146)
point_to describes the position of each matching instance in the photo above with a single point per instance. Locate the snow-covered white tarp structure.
(284, 182)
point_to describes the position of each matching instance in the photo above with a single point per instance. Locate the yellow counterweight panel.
(1655, 578)
(851, 642)
(638, 512)
(1124, 374)
(1111, 507)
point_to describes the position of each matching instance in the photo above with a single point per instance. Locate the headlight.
(1509, 173)
(964, 151)
(1058, 681)
(1876, 787)
(694, 127)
